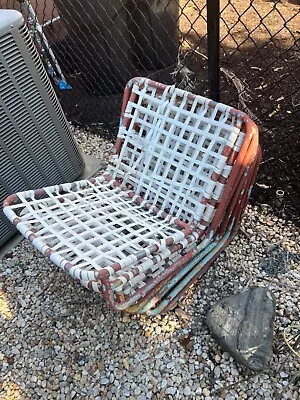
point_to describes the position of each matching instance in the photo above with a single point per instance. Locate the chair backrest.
(177, 148)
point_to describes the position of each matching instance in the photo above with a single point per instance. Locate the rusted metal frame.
(133, 97)
(153, 298)
(239, 168)
(154, 285)
(244, 156)
(243, 190)
(197, 267)
(194, 275)
(174, 248)
(157, 283)
(248, 163)
(127, 302)
(246, 196)
(236, 203)
(109, 294)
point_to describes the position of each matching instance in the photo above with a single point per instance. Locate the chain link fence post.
(213, 37)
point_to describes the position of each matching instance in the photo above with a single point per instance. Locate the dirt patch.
(260, 46)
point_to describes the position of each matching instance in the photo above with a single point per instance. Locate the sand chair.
(177, 163)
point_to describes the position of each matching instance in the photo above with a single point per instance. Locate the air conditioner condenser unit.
(37, 148)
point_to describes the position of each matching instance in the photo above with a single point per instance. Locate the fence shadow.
(265, 83)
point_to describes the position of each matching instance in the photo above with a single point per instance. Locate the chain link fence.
(100, 44)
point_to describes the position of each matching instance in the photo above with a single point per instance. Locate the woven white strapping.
(137, 282)
(130, 287)
(172, 148)
(95, 225)
(147, 273)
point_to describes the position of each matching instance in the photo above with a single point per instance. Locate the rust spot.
(31, 237)
(39, 193)
(68, 266)
(215, 177)
(16, 221)
(48, 252)
(10, 200)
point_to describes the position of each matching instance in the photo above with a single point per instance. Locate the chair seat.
(94, 226)
(166, 206)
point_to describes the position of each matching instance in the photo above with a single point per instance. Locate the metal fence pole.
(213, 33)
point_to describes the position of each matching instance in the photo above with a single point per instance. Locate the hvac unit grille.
(36, 146)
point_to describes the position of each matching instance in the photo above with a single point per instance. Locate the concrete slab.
(11, 244)
(92, 165)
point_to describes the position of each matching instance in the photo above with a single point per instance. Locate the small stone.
(104, 381)
(158, 330)
(171, 390)
(111, 378)
(125, 363)
(187, 391)
(126, 392)
(234, 372)
(52, 387)
(283, 374)
(163, 383)
(217, 358)
(217, 372)
(137, 391)
(137, 369)
(243, 325)
(101, 365)
(181, 314)
(154, 381)
(21, 322)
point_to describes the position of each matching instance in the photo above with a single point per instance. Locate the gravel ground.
(59, 341)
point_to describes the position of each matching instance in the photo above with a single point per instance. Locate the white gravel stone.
(217, 372)
(283, 375)
(171, 390)
(187, 391)
(141, 397)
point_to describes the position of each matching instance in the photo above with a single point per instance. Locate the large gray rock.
(243, 325)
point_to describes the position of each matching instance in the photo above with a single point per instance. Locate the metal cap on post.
(213, 33)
